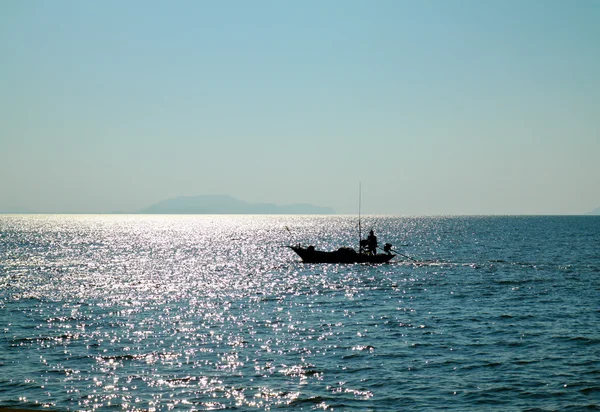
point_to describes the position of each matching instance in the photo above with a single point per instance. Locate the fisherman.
(372, 243)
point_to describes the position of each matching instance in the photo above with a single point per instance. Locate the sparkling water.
(141, 312)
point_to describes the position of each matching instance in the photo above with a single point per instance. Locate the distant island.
(223, 204)
(596, 211)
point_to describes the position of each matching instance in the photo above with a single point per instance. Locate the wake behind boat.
(342, 255)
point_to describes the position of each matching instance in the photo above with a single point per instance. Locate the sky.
(435, 107)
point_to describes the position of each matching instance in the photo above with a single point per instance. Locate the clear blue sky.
(438, 107)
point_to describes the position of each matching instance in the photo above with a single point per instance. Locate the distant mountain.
(222, 204)
(596, 211)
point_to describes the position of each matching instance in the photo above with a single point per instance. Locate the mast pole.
(359, 202)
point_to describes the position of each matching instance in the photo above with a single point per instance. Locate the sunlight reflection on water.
(213, 312)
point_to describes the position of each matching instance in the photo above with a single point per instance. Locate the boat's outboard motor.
(387, 248)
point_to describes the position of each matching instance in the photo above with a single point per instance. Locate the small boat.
(367, 251)
(342, 255)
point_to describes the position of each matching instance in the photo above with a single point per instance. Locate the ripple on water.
(210, 312)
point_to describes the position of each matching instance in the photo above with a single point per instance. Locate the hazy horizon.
(437, 107)
(144, 211)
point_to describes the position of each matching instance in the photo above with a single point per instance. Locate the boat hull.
(344, 255)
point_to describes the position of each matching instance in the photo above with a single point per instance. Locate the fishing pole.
(291, 235)
(398, 253)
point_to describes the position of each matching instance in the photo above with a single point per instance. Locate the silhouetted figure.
(372, 243)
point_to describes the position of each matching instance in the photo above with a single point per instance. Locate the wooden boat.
(342, 255)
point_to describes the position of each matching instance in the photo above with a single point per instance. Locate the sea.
(199, 312)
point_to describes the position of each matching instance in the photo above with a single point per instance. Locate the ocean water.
(213, 312)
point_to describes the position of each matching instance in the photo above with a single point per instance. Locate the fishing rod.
(398, 253)
(291, 235)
